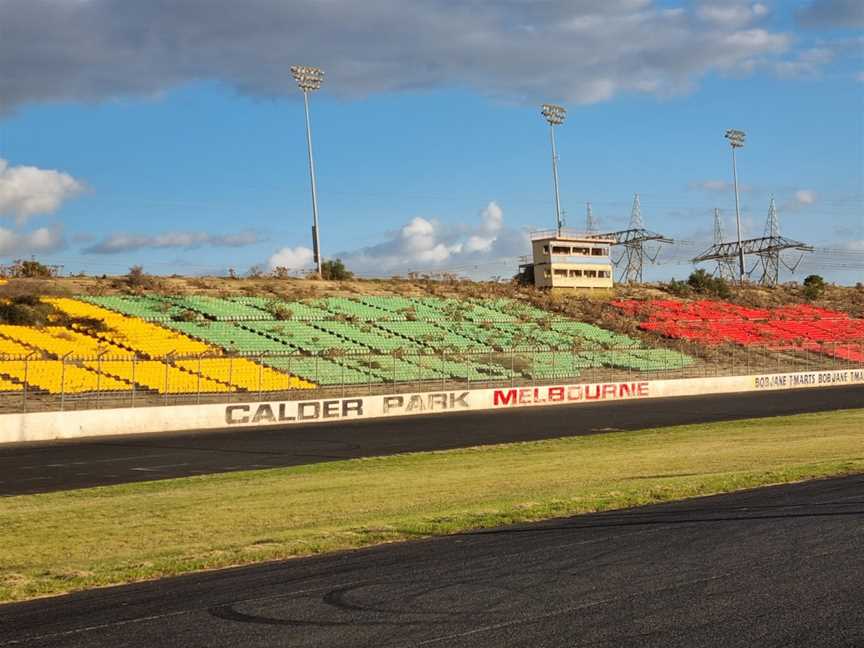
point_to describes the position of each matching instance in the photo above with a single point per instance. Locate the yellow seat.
(244, 373)
(159, 376)
(55, 376)
(9, 386)
(152, 340)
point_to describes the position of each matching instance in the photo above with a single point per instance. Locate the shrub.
(335, 271)
(137, 279)
(32, 269)
(89, 323)
(678, 288)
(280, 312)
(525, 277)
(186, 316)
(25, 310)
(814, 287)
(200, 282)
(703, 283)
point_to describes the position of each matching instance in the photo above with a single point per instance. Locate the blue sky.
(178, 143)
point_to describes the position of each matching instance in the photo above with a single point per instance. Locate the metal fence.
(42, 382)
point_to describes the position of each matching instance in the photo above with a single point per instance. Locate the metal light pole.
(555, 115)
(309, 79)
(736, 140)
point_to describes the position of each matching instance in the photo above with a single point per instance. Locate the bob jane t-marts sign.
(288, 412)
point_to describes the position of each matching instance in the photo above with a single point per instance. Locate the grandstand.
(796, 327)
(169, 344)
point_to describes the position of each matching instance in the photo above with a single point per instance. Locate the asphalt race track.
(44, 467)
(778, 566)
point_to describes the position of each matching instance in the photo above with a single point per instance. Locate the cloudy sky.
(169, 133)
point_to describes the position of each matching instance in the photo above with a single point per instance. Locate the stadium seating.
(297, 310)
(187, 344)
(795, 327)
(304, 337)
(153, 341)
(151, 309)
(9, 386)
(218, 309)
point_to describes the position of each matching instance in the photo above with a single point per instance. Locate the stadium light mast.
(555, 115)
(309, 79)
(736, 140)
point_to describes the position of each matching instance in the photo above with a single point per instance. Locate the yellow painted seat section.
(51, 376)
(144, 337)
(13, 348)
(147, 373)
(60, 341)
(245, 374)
(82, 344)
(152, 375)
(9, 386)
(155, 341)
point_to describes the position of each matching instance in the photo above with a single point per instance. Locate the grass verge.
(59, 542)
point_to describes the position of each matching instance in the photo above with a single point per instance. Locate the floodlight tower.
(736, 140)
(555, 115)
(309, 79)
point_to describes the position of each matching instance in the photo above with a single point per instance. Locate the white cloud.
(40, 240)
(731, 14)
(102, 49)
(842, 14)
(854, 246)
(807, 63)
(128, 242)
(27, 191)
(800, 199)
(297, 258)
(711, 185)
(717, 186)
(424, 244)
(805, 196)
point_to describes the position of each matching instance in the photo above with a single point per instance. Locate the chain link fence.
(41, 382)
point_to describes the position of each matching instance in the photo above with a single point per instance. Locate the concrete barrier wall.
(45, 426)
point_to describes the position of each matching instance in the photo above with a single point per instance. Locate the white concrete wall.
(45, 426)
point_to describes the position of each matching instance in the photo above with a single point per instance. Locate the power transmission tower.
(634, 251)
(633, 239)
(636, 214)
(725, 267)
(590, 223)
(771, 257)
(766, 248)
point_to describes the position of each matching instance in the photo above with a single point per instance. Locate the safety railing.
(44, 382)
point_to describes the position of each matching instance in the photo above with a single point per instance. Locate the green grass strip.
(66, 541)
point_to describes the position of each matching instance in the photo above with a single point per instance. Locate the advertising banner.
(41, 426)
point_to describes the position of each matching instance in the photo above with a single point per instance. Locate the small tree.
(703, 283)
(32, 269)
(814, 287)
(25, 310)
(335, 270)
(678, 288)
(137, 278)
(280, 312)
(186, 316)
